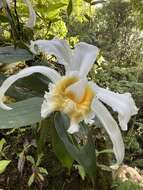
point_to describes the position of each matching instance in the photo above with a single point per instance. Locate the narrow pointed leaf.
(60, 149)
(84, 155)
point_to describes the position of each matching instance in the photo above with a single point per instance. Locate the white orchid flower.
(74, 95)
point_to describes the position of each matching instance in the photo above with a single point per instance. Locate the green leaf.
(55, 6)
(24, 113)
(70, 8)
(138, 163)
(43, 170)
(128, 185)
(53, 10)
(84, 155)
(60, 149)
(30, 159)
(34, 85)
(81, 171)
(9, 54)
(43, 135)
(31, 179)
(106, 151)
(40, 176)
(2, 142)
(39, 159)
(3, 165)
(3, 18)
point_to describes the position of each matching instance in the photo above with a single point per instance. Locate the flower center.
(67, 101)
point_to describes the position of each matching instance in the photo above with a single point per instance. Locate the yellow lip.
(67, 102)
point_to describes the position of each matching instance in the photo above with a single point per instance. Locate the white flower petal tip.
(134, 109)
(5, 107)
(123, 104)
(33, 48)
(47, 106)
(46, 109)
(85, 55)
(74, 128)
(89, 121)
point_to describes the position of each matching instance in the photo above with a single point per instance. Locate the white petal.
(74, 127)
(48, 72)
(90, 118)
(121, 103)
(47, 106)
(5, 107)
(78, 88)
(112, 129)
(32, 15)
(58, 48)
(84, 56)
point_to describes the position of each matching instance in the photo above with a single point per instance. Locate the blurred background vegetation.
(116, 27)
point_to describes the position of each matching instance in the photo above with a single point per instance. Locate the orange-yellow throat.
(66, 101)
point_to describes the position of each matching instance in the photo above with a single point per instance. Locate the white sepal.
(111, 127)
(84, 56)
(59, 48)
(121, 103)
(48, 72)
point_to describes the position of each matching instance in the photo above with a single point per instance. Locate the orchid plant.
(72, 94)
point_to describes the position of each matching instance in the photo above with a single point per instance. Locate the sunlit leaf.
(43, 170)
(30, 159)
(31, 179)
(53, 10)
(2, 142)
(3, 165)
